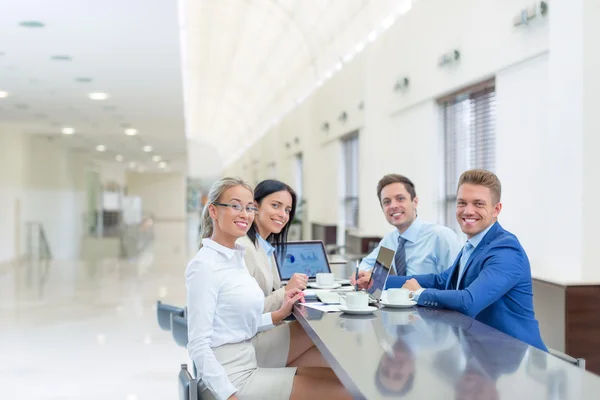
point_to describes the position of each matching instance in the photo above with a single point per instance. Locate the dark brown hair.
(396, 178)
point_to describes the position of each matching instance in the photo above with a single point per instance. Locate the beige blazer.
(267, 277)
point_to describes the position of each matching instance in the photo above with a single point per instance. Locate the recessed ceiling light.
(83, 79)
(132, 164)
(98, 96)
(156, 158)
(4, 94)
(148, 149)
(101, 147)
(131, 132)
(119, 158)
(61, 57)
(68, 131)
(32, 24)
(162, 164)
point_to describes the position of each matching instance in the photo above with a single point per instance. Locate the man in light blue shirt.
(421, 247)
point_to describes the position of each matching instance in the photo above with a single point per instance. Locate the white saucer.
(410, 303)
(364, 311)
(315, 286)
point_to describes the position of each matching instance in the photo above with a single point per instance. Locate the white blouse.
(225, 305)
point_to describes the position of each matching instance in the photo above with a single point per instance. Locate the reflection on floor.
(88, 330)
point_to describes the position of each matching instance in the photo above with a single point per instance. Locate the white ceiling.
(246, 63)
(131, 50)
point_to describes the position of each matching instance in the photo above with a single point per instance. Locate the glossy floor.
(88, 329)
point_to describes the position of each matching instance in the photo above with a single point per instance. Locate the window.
(350, 179)
(469, 139)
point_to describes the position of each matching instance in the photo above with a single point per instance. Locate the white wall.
(162, 194)
(523, 155)
(401, 131)
(40, 181)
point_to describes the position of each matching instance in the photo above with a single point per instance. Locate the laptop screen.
(302, 257)
(381, 270)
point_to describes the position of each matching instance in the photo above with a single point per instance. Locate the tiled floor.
(88, 330)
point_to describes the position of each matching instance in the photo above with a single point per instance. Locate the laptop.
(303, 257)
(381, 270)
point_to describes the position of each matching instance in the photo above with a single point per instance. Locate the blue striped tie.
(400, 257)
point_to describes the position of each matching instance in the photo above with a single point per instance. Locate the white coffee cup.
(357, 301)
(400, 296)
(325, 279)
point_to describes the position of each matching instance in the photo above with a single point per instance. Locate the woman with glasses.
(225, 311)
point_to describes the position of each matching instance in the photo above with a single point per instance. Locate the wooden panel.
(583, 325)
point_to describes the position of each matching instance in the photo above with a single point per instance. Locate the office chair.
(188, 387)
(579, 362)
(164, 312)
(180, 330)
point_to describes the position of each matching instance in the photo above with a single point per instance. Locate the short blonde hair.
(485, 178)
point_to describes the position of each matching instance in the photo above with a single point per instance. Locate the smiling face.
(475, 208)
(274, 213)
(229, 224)
(399, 209)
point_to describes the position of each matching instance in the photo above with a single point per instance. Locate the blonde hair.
(485, 178)
(214, 195)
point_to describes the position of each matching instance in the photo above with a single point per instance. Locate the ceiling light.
(162, 165)
(132, 164)
(131, 132)
(148, 149)
(372, 36)
(119, 158)
(83, 79)
(98, 96)
(101, 147)
(68, 131)
(61, 57)
(4, 94)
(156, 158)
(32, 24)
(359, 47)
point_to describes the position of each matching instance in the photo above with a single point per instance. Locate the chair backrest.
(180, 330)
(164, 312)
(579, 362)
(188, 388)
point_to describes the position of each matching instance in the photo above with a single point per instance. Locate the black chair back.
(164, 312)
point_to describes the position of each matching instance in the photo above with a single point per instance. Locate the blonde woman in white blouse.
(225, 311)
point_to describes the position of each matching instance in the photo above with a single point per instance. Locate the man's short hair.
(396, 178)
(482, 177)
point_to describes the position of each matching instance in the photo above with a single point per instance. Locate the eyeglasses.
(237, 208)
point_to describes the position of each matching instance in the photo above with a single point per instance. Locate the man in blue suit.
(490, 280)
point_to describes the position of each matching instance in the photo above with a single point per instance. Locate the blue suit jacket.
(495, 288)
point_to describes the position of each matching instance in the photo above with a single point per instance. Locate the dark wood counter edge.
(335, 366)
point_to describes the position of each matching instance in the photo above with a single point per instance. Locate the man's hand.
(412, 285)
(297, 281)
(291, 297)
(363, 278)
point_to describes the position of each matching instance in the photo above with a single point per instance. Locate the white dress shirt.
(225, 305)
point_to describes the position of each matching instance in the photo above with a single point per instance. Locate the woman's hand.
(297, 281)
(291, 297)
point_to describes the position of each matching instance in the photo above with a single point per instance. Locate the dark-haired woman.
(276, 203)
